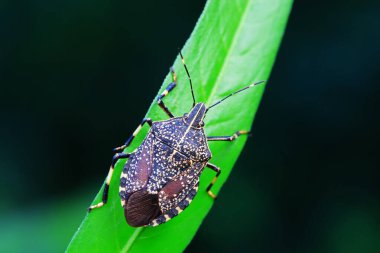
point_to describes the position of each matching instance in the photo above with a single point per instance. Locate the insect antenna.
(188, 75)
(233, 93)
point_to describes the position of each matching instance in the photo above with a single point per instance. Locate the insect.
(161, 176)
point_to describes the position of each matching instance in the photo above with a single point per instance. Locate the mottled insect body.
(164, 171)
(161, 177)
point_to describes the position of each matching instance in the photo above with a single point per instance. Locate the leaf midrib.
(133, 237)
(233, 42)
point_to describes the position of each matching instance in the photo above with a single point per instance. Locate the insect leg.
(218, 171)
(170, 87)
(130, 139)
(227, 138)
(115, 158)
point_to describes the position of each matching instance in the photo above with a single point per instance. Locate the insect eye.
(201, 124)
(185, 115)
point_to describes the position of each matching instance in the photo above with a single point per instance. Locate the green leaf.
(233, 45)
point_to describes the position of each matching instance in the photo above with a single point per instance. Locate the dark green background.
(78, 76)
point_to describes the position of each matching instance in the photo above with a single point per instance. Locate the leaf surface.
(233, 45)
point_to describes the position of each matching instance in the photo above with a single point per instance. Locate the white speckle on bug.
(167, 155)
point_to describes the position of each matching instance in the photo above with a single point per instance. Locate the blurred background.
(77, 76)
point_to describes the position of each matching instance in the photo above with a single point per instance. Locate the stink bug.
(161, 176)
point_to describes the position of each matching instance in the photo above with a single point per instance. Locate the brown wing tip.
(141, 208)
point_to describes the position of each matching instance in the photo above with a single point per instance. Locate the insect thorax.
(189, 141)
